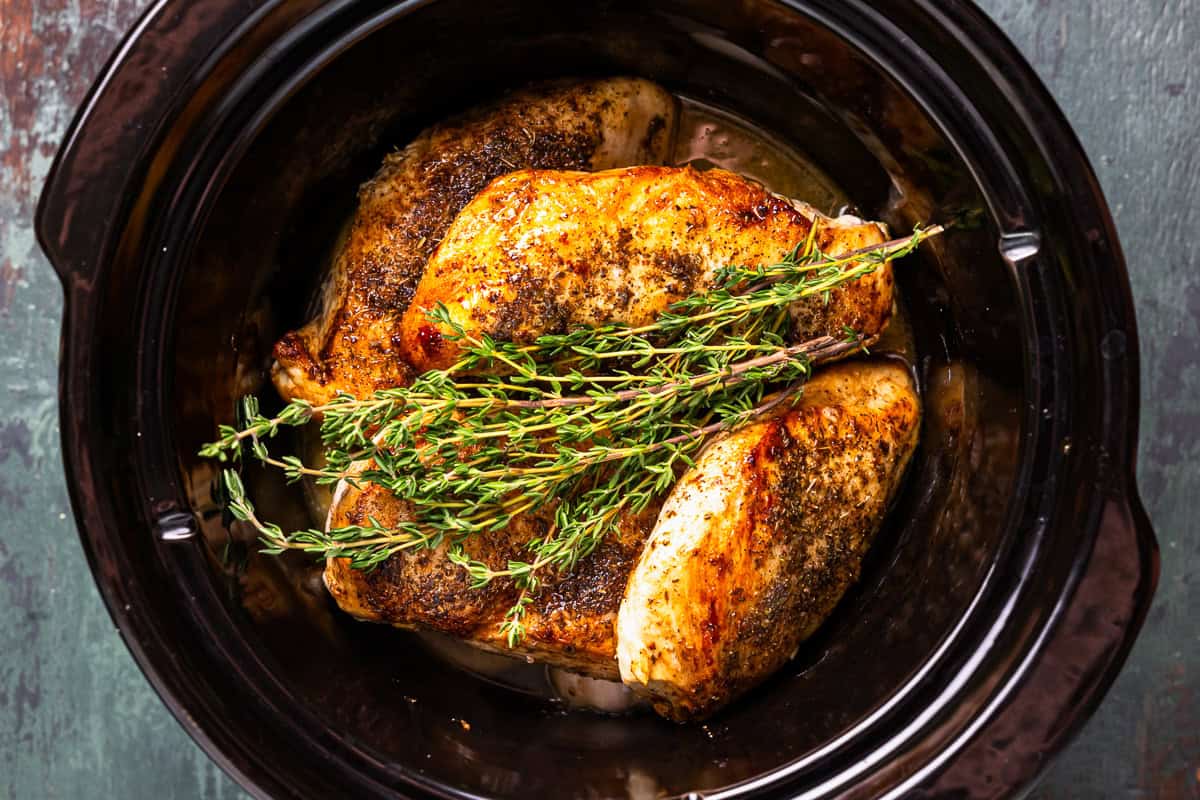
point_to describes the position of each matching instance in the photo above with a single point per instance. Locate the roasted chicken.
(540, 252)
(404, 211)
(571, 623)
(493, 216)
(757, 543)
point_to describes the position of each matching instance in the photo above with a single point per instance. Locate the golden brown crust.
(619, 246)
(570, 623)
(757, 544)
(748, 556)
(541, 251)
(404, 211)
(420, 587)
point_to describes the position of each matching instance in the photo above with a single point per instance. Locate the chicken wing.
(405, 210)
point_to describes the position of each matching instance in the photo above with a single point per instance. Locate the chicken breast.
(405, 210)
(748, 555)
(570, 624)
(755, 545)
(543, 251)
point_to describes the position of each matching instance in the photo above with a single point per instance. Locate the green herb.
(585, 426)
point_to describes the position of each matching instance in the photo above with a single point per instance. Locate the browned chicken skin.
(543, 251)
(404, 211)
(755, 545)
(570, 624)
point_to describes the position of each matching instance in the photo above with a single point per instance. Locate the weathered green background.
(77, 719)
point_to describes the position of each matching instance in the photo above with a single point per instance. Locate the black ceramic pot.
(189, 209)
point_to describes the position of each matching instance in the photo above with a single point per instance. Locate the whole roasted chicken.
(698, 597)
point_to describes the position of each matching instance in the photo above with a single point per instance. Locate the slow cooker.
(188, 213)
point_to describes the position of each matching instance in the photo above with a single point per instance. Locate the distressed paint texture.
(78, 720)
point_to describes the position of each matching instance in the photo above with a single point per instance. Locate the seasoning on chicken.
(705, 593)
(404, 211)
(543, 251)
(755, 546)
(571, 622)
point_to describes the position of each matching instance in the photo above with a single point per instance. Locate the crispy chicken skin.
(405, 210)
(755, 545)
(543, 251)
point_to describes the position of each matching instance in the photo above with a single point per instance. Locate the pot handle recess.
(104, 152)
(1075, 668)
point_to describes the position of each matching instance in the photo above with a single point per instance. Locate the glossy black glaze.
(188, 212)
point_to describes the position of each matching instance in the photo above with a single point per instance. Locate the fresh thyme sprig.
(587, 425)
(365, 545)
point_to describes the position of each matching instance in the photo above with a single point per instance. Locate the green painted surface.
(78, 720)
